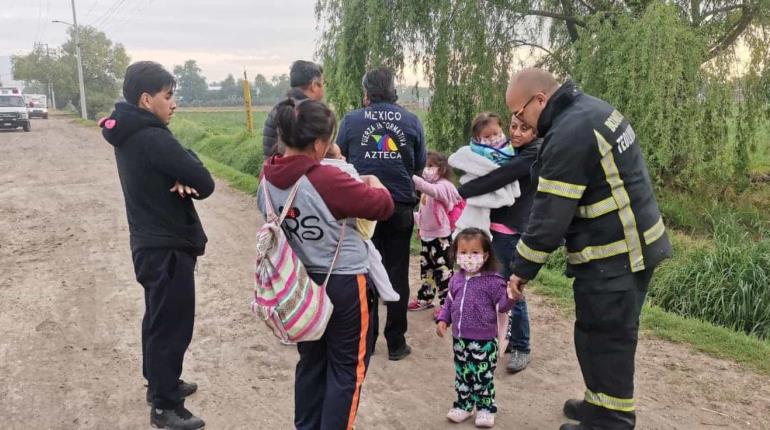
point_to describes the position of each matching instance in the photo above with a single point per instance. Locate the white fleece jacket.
(476, 213)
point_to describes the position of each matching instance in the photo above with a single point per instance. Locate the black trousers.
(167, 276)
(392, 238)
(331, 370)
(606, 335)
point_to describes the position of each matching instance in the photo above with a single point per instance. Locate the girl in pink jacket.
(439, 197)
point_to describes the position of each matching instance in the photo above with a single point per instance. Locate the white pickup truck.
(13, 112)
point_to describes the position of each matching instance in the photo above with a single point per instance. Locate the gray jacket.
(271, 145)
(316, 247)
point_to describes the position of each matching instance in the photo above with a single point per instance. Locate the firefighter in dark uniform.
(593, 191)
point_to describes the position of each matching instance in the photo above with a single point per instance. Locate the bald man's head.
(528, 92)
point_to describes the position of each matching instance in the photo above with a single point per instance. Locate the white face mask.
(430, 174)
(471, 263)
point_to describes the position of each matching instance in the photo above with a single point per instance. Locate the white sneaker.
(485, 419)
(457, 415)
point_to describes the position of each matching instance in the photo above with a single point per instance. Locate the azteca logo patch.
(385, 143)
(383, 139)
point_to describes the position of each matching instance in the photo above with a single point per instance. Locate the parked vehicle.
(14, 113)
(37, 105)
(4, 91)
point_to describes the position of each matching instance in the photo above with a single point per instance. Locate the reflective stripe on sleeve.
(530, 254)
(655, 232)
(559, 188)
(598, 252)
(597, 209)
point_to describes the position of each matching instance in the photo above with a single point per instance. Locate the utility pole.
(51, 94)
(83, 110)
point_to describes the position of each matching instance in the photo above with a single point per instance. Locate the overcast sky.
(224, 36)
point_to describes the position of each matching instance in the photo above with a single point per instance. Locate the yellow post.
(247, 103)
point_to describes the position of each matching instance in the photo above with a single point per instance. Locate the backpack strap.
(286, 206)
(337, 252)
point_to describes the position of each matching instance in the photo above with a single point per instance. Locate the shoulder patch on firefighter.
(613, 121)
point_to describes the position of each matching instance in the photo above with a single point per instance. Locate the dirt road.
(71, 310)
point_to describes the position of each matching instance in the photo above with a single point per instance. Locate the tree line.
(668, 65)
(193, 89)
(105, 62)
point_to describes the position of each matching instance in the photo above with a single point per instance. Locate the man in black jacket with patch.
(594, 191)
(385, 140)
(307, 82)
(159, 179)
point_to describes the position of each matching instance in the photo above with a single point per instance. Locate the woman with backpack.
(325, 203)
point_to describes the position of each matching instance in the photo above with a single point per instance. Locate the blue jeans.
(518, 330)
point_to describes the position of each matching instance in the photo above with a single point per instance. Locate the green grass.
(689, 212)
(224, 122)
(239, 180)
(222, 137)
(721, 342)
(759, 161)
(724, 281)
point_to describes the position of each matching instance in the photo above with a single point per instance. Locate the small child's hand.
(441, 328)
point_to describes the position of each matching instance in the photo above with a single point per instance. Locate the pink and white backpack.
(285, 298)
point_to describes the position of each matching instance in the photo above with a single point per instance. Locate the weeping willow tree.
(681, 97)
(463, 48)
(667, 65)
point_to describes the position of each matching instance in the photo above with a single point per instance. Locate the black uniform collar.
(560, 100)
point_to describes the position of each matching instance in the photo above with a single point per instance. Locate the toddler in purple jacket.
(477, 293)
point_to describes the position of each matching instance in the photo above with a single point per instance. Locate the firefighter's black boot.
(574, 409)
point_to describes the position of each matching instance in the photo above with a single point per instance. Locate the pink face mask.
(471, 263)
(430, 174)
(495, 141)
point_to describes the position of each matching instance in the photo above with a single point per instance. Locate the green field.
(713, 294)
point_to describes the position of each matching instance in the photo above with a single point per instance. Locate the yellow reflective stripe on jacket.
(597, 209)
(619, 193)
(530, 254)
(597, 252)
(609, 402)
(655, 232)
(559, 188)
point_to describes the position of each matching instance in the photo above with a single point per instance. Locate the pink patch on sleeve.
(101, 121)
(110, 124)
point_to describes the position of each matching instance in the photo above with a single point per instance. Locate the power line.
(108, 14)
(39, 19)
(47, 19)
(91, 9)
(106, 11)
(114, 13)
(127, 16)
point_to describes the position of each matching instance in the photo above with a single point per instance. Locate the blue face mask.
(499, 155)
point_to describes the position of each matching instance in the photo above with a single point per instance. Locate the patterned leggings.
(435, 269)
(475, 363)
